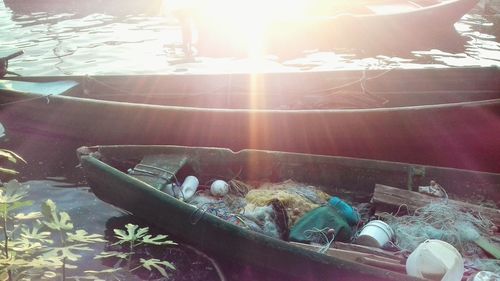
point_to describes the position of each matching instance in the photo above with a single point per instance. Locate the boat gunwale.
(29, 97)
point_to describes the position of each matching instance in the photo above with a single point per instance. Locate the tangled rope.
(439, 221)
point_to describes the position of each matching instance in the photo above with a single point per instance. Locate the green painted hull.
(347, 177)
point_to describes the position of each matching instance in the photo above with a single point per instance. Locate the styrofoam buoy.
(436, 260)
(375, 234)
(189, 187)
(219, 188)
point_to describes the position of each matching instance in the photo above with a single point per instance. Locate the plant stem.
(64, 270)
(4, 225)
(63, 242)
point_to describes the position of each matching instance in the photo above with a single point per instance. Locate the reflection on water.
(128, 37)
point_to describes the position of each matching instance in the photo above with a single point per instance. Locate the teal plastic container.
(347, 211)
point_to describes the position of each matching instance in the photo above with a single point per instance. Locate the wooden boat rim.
(415, 108)
(320, 19)
(86, 151)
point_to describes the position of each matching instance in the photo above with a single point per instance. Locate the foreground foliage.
(45, 244)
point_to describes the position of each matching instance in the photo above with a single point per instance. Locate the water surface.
(133, 37)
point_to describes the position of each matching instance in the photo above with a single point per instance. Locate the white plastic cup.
(375, 234)
(189, 187)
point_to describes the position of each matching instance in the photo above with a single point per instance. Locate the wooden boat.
(447, 117)
(353, 179)
(322, 24)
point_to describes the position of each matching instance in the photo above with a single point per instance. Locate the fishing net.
(296, 202)
(440, 221)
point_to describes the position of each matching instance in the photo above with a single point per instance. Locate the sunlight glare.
(245, 23)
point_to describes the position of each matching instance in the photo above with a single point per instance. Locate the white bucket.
(436, 260)
(375, 234)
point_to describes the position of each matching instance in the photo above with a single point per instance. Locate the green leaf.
(28, 216)
(158, 265)
(5, 154)
(66, 252)
(8, 171)
(11, 156)
(36, 234)
(23, 245)
(53, 220)
(12, 192)
(82, 236)
(46, 262)
(157, 240)
(49, 274)
(107, 274)
(19, 204)
(112, 254)
(131, 235)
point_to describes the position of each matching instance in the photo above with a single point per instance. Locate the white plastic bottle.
(189, 187)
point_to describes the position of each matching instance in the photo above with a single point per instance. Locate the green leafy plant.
(12, 157)
(30, 250)
(44, 245)
(132, 237)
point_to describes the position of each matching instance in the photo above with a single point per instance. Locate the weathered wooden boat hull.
(452, 127)
(351, 178)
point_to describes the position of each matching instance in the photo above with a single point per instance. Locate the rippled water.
(127, 37)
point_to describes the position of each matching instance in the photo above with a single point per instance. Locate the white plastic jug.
(189, 187)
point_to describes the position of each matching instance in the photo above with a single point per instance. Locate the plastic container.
(375, 234)
(436, 260)
(348, 212)
(189, 187)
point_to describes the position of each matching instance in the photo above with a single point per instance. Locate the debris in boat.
(439, 221)
(484, 276)
(296, 200)
(436, 260)
(469, 228)
(488, 246)
(387, 199)
(434, 189)
(219, 188)
(189, 187)
(376, 234)
(348, 212)
(158, 170)
(264, 219)
(238, 187)
(316, 226)
(375, 258)
(183, 192)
